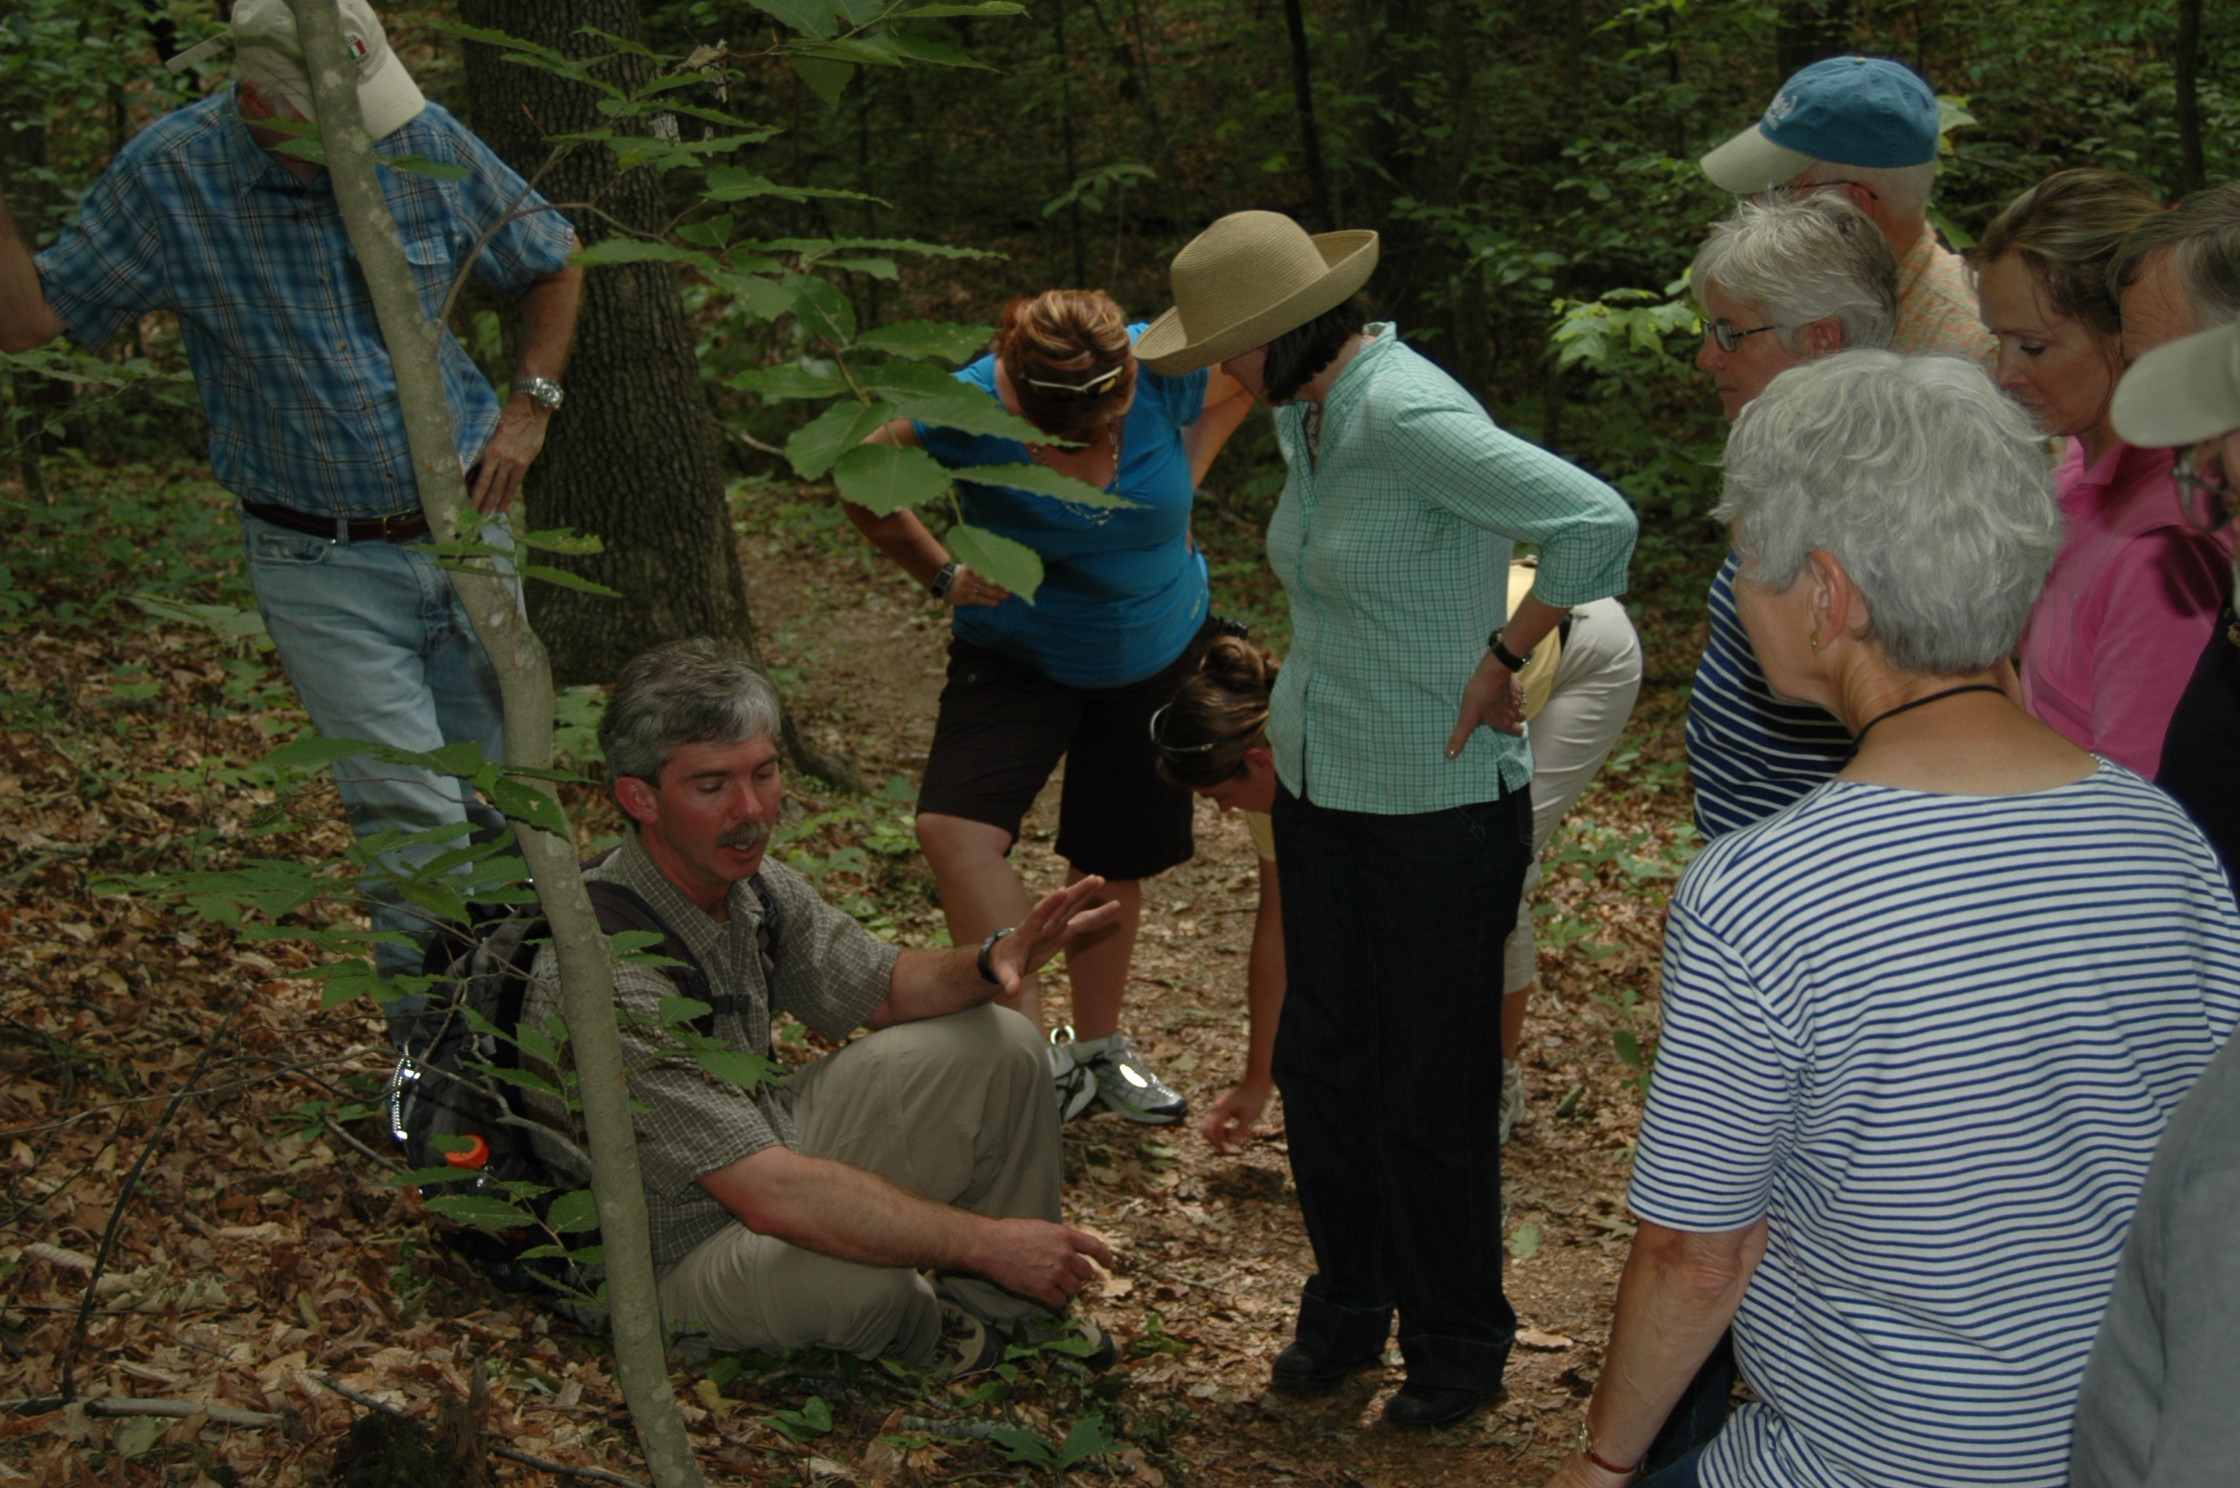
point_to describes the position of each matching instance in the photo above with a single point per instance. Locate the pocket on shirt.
(432, 268)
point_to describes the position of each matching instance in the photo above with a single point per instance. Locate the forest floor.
(263, 1270)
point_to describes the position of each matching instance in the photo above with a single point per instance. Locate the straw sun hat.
(1245, 281)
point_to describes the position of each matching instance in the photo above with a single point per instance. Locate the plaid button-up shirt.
(194, 217)
(1937, 305)
(1394, 551)
(830, 974)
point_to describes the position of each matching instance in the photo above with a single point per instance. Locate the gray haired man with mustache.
(803, 1213)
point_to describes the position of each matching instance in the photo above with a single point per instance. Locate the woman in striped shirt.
(1923, 1027)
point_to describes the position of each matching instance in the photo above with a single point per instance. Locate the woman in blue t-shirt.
(1121, 617)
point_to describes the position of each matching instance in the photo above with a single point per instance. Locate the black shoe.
(1431, 1405)
(1300, 1371)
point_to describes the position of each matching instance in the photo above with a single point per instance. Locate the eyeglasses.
(1730, 340)
(2205, 491)
(1095, 384)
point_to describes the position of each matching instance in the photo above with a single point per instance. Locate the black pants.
(2198, 752)
(1389, 1059)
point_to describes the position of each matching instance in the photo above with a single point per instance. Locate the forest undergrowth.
(199, 1244)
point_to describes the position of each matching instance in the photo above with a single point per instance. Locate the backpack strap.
(621, 907)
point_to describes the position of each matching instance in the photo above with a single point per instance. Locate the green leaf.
(312, 751)
(809, 17)
(766, 298)
(742, 1068)
(525, 803)
(415, 165)
(1014, 565)
(731, 183)
(573, 1213)
(985, 8)
(888, 478)
(482, 1212)
(628, 250)
(873, 51)
(922, 391)
(822, 309)
(937, 53)
(828, 80)
(1524, 1242)
(1022, 1445)
(421, 1177)
(675, 1010)
(1089, 1437)
(877, 268)
(135, 1437)
(1628, 1047)
(831, 434)
(561, 540)
(792, 380)
(928, 338)
(567, 579)
(1043, 483)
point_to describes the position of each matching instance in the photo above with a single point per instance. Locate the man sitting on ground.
(798, 1215)
(1867, 128)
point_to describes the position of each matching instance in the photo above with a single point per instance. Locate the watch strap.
(541, 390)
(986, 962)
(943, 577)
(1504, 655)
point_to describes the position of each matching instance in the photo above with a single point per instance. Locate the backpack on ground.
(455, 1098)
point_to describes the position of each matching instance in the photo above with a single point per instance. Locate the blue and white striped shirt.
(1932, 1041)
(1750, 753)
(194, 217)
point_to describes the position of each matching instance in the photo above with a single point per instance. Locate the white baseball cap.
(263, 35)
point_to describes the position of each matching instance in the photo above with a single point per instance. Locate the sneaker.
(1126, 1086)
(968, 1346)
(1073, 1081)
(1512, 1100)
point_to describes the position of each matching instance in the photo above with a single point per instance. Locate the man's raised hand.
(1047, 930)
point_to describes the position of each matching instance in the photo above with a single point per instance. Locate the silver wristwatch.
(543, 389)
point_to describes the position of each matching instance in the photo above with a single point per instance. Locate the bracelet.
(987, 966)
(1586, 1445)
(943, 577)
(1504, 655)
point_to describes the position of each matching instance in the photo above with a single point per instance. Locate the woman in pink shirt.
(2135, 588)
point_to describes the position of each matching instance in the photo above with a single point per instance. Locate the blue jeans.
(1389, 1056)
(378, 646)
(1681, 1474)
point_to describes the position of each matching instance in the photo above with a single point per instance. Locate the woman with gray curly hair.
(1922, 1028)
(1780, 283)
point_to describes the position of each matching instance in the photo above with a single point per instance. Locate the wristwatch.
(987, 951)
(542, 390)
(1504, 655)
(1586, 1440)
(943, 577)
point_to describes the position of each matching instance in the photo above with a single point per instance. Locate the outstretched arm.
(847, 1213)
(1230, 1120)
(905, 540)
(26, 319)
(927, 984)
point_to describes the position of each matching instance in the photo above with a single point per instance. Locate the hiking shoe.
(1512, 1099)
(1126, 1086)
(1299, 1370)
(968, 1346)
(1072, 1080)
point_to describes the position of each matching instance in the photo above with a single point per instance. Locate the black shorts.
(1003, 728)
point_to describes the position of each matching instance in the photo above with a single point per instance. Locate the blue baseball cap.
(1865, 111)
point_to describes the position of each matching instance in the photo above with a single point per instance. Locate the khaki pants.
(955, 1109)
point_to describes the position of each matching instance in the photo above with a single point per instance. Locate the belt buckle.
(393, 526)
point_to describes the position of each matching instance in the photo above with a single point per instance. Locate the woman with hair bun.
(1121, 617)
(1581, 684)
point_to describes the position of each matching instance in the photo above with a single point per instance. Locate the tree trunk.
(586, 977)
(634, 456)
(1310, 137)
(2193, 171)
(1809, 31)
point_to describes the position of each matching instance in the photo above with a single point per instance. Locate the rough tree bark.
(586, 977)
(2193, 170)
(1310, 137)
(634, 456)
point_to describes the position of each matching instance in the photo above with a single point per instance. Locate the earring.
(1813, 640)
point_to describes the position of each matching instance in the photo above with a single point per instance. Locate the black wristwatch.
(987, 965)
(1504, 655)
(943, 577)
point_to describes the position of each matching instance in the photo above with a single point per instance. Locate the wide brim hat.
(263, 35)
(1245, 281)
(2182, 392)
(1864, 111)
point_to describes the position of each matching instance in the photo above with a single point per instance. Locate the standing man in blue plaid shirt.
(201, 216)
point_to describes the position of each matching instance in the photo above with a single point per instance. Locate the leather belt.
(401, 527)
